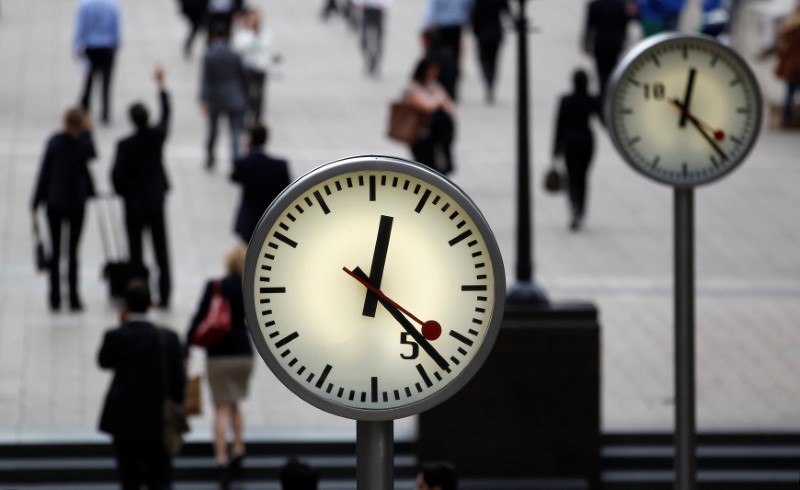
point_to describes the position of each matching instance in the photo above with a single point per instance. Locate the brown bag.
(407, 124)
(553, 181)
(192, 404)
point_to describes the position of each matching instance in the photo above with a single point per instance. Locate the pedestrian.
(437, 476)
(487, 25)
(788, 69)
(295, 475)
(229, 364)
(659, 15)
(223, 92)
(63, 186)
(426, 95)
(444, 59)
(605, 34)
(372, 26)
(97, 37)
(575, 142)
(254, 44)
(195, 12)
(262, 178)
(221, 14)
(447, 18)
(716, 17)
(148, 369)
(139, 176)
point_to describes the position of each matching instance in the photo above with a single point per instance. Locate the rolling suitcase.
(117, 270)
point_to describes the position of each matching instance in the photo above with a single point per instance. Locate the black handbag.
(40, 257)
(554, 180)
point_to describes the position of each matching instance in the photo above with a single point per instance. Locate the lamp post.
(524, 292)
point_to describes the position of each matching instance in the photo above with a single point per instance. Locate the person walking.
(426, 95)
(372, 25)
(63, 186)
(254, 44)
(788, 69)
(148, 368)
(659, 15)
(223, 91)
(262, 178)
(487, 25)
(97, 37)
(447, 18)
(221, 14)
(575, 142)
(196, 12)
(605, 34)
(229, 364)
(138, 175)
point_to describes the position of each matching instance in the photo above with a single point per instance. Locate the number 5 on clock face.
(374, 288)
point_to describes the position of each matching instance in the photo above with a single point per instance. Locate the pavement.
(322, 107)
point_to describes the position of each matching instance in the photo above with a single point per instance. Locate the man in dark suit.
(223, 91)
(148, 368)
(139, 177)
(487, 23)
(262, 178)
(605, 33)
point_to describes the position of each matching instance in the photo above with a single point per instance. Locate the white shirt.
(254, 48)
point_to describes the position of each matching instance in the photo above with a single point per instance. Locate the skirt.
(229, 377)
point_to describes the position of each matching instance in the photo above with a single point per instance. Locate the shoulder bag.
(217, 322)
(175, 424)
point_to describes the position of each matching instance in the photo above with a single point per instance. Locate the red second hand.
(431, 329)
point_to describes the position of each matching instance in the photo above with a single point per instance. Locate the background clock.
(373, 288)
(683, 109)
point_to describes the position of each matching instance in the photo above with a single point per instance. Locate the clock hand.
(719, 134)
(378, 263)
(359, 275)
(687, 98)
(431, 329)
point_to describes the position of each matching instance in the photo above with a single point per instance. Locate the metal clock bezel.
(641, 50)
(300, 187)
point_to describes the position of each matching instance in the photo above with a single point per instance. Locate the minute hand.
(359, 275)
(700, 127)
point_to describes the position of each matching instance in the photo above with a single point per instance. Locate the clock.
(683, 109)
(374, 288)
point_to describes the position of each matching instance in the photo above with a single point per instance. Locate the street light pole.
(524, 292)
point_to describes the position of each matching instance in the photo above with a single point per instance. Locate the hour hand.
(378, 263)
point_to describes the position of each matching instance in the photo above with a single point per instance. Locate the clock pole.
(685, 425)
(524, 291)
(375, 455)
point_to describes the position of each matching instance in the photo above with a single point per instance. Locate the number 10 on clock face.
(682, 109)
(373, 289)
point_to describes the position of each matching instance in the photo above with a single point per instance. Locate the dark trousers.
(154, 221)
(487, 55)
(256, 88)
(101, 61)
(56, 219)
(577, 167)
(235, 119)
(196, 24)
(372, 37)
(604, 62)
(142, 463)
(434, 150)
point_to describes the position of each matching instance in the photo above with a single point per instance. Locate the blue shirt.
(98, 25)
(448, 12)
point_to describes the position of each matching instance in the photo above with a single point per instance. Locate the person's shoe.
(75, 304)
(235, 464)
(55, 303)
(209, 163)
(576, 223)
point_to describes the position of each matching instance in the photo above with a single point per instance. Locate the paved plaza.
(322, 107)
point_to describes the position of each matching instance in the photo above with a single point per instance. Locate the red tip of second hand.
(431, 330)
(719, 135)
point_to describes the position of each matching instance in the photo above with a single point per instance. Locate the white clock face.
(372, 287)
(683, 109)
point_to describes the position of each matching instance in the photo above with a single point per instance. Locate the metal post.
(524, 291)
(685, 434)
(375, 455)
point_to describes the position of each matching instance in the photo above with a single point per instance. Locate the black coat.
(486, 19)
(138, 174)
(64, 181)
(573, 133)
(262, 178)
(237, 341)
(133, 406)
(606, 27)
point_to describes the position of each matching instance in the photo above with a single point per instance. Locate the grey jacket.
(223, 82)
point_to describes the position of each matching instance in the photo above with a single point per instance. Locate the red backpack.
(217, 322)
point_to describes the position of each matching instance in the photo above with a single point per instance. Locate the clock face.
(373, 288)
(683, 109)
